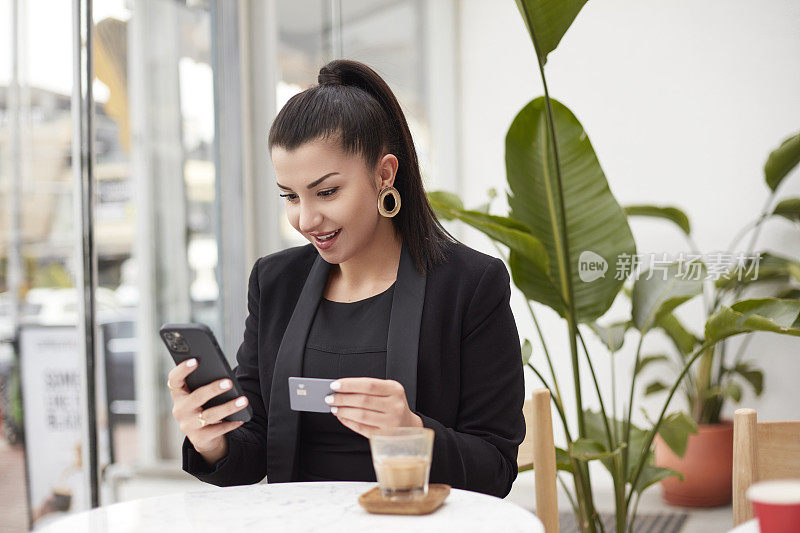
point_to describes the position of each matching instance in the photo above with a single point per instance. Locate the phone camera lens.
(176, 342)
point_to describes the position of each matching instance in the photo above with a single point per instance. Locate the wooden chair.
(538, 451)
(761, 451)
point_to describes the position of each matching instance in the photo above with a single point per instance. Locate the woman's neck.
(374, 266)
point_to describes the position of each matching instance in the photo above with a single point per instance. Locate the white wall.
(682, 102)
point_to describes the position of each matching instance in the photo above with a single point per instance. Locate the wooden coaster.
(373, 502)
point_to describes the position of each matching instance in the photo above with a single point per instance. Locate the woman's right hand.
(207, 439)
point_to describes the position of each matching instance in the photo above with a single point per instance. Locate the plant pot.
(706, 466)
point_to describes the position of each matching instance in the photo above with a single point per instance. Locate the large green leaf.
(675, 429)
(730, 390)
(763, 314)
(684, 341)
(547, 21)
(782, 160)
(762, 267)
(449, 199)
(655, 387)
(563, 460)
(789, 209)
(656, 293)
(474, 217)
(597, 229)
(612, 336)
(651, 475)
(595, 431)
(789, 293)
(752, 375)
(589, 450)
(672, 214)
(647, 360)
(682, 338)
(504, 230)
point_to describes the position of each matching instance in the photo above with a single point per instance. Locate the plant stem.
(614, 397)
(633, 512)
(619, 494)
(558, 407)
(611, 444)
(569, 496)
(580, 466)
(744, 231)
(757, 224)
(557, 396)
(740, 352)
(627, 439)
(584, 513)
(703, 386)
(696, 250)
(651, 434)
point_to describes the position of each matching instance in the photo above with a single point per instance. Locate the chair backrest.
(538, 451)
(761, 451)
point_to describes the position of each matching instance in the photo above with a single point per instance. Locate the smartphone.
(308, 394)
(185, 341)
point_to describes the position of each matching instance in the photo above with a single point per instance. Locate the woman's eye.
(292, 197)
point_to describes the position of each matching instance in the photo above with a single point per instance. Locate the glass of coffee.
(402, 461)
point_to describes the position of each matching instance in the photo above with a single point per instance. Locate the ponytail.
(353, 105)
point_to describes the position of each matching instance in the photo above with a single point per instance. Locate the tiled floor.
(13, 514)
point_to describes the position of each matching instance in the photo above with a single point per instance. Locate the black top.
(345, 340)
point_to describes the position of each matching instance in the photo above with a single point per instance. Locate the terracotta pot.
(706, 466)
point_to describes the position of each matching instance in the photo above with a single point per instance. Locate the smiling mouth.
(328, 237)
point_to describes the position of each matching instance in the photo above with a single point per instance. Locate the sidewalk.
(13, 506)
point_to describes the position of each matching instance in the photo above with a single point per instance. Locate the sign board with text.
(51, 365)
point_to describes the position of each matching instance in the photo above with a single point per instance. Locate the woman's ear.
(387, 170)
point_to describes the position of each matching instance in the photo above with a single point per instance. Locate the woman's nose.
(309, 219)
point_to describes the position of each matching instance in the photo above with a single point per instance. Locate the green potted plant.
(558, 192)
(719, 376)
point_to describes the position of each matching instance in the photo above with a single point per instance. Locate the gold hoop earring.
(386, 191)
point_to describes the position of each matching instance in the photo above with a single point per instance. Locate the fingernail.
(225, 385)
(334, 409)
(329, 398)
(336, 385)
(191, 362)
(241, 401)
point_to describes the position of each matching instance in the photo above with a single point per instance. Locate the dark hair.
(354, 106)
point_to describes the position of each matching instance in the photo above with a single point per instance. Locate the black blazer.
(453, 344)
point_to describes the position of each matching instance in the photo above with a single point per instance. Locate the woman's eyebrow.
(313, 183)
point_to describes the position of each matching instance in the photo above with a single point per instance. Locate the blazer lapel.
(283, 423)
(401, 356)
(402, 345)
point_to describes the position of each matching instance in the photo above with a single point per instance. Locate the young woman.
(416, 327)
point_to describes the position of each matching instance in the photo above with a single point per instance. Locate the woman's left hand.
(367, 404)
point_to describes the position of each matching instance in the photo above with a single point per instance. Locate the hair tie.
(329, 77)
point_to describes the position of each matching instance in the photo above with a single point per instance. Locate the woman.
(416, 327)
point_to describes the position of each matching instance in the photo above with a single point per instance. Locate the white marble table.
(751, 526)
(296, 507)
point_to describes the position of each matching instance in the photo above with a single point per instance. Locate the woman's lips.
(324, 245)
